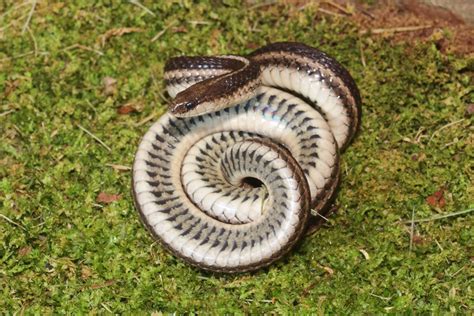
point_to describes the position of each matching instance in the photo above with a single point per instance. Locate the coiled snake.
(226, 179)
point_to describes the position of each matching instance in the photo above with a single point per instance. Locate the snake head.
(211, 96)
(181, 108)
(219, 92)
(192, 101)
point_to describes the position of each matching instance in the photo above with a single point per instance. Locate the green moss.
(62, 251)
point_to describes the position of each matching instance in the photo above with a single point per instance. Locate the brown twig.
(338, 6)
(381, 297)
(35, 44)
(12, 222)
(440, 216)
(7, 112)
(118, 167)
(330, 12)
(95, 137)
(28, 19)
(444, 127)
(83, 47)
(118, 32)
(138, 4)
(396, 29)
(263, 4)
(106, 308)
(314, 213)
(307, 289)
(16, 7)
(162, 32)
(147, 119)
(98, 286)
(412, 228)
(362, 56)
(367, 13)
(22, 55)
(3, 28)
(200, 23)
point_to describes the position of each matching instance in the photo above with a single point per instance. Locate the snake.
(228, 177)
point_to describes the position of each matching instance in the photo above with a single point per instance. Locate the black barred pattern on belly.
(228, 180)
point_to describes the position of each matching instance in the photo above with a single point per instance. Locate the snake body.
(278, 115)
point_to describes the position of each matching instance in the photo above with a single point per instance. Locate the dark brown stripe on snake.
(326, 67)
(236, 86)
(201, 62)
(190, 173)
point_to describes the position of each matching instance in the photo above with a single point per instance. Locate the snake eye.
(183, 107)
(190, 105)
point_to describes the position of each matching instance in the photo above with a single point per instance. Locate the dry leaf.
(108, 198)
(119, 167)
(179, 29)
(470, 110)
(98, 286)
(329, 270)
(437, 199)
(252, 45)
(126, 109)
(110, 85)
(365, 254)
(134, 106)
(86, 272)
(418, 239)
(214, 37)
(10, 87)
(118, 32)
(418, 157)
(24, 251)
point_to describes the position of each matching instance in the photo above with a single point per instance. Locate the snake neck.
(222, 91)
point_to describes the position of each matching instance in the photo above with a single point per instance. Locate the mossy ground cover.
(71, 240)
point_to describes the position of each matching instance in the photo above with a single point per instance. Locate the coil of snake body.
(279, 115)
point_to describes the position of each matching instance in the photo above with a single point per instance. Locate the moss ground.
(67, 248)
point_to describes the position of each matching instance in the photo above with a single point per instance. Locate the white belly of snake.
(194, 177)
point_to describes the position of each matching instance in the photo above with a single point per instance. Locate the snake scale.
(227, 177)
